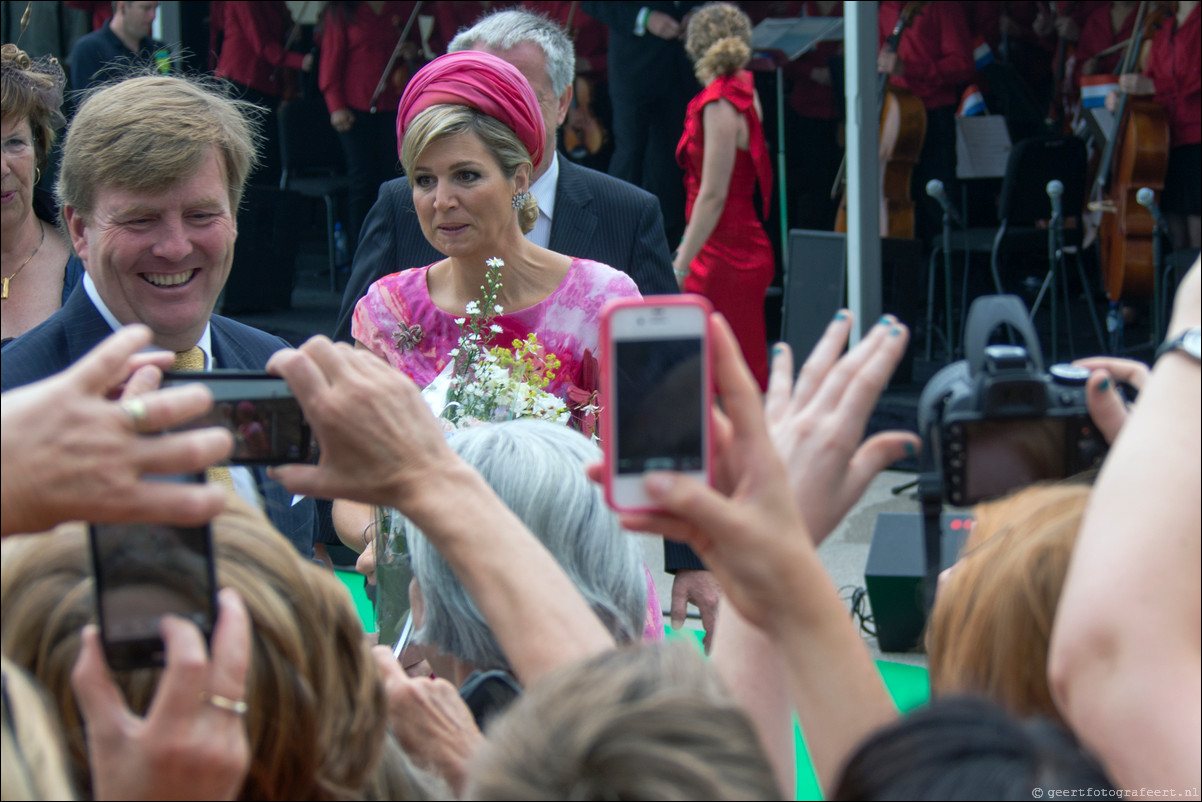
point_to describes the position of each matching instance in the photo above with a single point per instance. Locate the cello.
(1136, 156)
(903, 127)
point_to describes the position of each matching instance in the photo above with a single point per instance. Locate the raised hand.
(818, 422)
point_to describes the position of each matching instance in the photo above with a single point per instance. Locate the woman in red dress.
(725, 254)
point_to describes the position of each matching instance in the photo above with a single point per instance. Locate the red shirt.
(450, 18)
(936, 51)
(1097, 35)
(1173, 67)
(355, 51)
(252, 52)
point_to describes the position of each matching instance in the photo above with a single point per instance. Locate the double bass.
(1136, 156)
(903, 127)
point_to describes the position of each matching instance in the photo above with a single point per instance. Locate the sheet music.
(795, 36)
(982, 146)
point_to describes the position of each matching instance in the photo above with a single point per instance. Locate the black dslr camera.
(997, 420)
(991, 423)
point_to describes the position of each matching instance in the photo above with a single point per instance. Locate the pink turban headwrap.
(480, 81)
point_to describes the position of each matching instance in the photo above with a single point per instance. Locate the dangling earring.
(37, 175)
(520, 198)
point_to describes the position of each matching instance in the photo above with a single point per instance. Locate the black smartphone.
(146, 571)
(487, 693)
(259, 410)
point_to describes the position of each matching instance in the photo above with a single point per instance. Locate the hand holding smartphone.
(657, 393)
(144, 572)
(259, 410)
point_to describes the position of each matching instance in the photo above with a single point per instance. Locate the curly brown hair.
(718, 41)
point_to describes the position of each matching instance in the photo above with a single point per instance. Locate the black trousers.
(370, 148)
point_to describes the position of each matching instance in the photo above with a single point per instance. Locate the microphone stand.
(1056, 261)
(1158, 236)
(1055, 267)
(947, 279)
(935, 190)
(1160, 231)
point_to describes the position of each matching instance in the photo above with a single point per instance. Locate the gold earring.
(37, 174)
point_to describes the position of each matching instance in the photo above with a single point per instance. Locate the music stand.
(780, 41)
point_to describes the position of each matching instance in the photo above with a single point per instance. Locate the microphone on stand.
(1055, 189)
(935, 190)
(1147, 199)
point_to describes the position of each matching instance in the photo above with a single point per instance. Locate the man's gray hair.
(537, 468)
(503, 30)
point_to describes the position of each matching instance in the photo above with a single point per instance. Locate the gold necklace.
(17, 272)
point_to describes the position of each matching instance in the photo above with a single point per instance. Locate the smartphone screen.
(146, 571)
(261, 413)
(660, 422)
(657, 398)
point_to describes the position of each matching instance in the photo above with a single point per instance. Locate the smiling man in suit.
(153, 170)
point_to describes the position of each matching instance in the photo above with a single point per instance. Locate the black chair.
(1024, 203)
(313, 165)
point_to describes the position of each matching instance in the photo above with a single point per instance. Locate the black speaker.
(895, 571)
(815, 287)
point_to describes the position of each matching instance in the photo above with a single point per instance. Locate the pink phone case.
(609, 421)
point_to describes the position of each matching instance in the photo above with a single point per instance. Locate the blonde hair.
(447, 120)
(989, 629)
(317, 718)
(646, 722)
(32, 756)
(718, 40)
(147, 134)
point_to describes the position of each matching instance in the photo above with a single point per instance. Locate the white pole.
(863, 181)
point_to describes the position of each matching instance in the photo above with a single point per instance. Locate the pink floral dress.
(397, 320)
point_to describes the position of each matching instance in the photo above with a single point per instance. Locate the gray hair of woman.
(537, 469)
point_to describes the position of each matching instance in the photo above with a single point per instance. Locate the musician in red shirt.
(253, 58)
(812, 119)
(357, 40)
(1105, 29)
(934, 61)
(1173, 79)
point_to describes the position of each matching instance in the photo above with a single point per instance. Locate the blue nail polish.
(840, 316)
(1103, 385)
(894, 332)
(909, 448)
(884, 321)
(777, 349)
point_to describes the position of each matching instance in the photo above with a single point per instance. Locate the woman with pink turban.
(470, 132)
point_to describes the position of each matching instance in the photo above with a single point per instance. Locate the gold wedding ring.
(236, 706)
(135, 408)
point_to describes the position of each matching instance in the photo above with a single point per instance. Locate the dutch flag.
(982, 54)
(971, 103)
(1095, 88)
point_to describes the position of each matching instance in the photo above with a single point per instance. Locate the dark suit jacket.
(644, 68)
(596, 217)
(78, 326)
